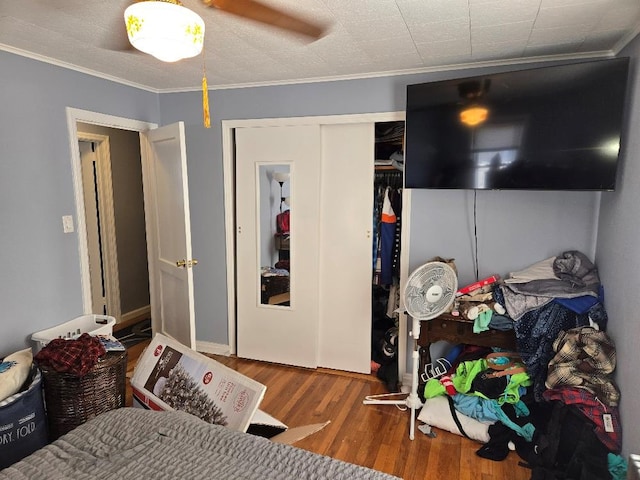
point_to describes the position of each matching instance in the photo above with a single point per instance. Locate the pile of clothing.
(554, 400)
(556, 294)
(560, 325)
(493, 391)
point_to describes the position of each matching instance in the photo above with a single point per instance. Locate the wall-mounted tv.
(547, 128)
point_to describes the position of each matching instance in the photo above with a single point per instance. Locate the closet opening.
(387, 228)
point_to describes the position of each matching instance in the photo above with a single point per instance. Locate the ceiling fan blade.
(259, 12)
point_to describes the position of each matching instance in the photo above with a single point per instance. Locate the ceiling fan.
(170, 32)
(168, 22)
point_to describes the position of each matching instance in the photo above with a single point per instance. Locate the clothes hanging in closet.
(387, 223)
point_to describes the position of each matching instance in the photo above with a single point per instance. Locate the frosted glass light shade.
(168, 31)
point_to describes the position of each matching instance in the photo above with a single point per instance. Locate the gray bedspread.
(132, 443)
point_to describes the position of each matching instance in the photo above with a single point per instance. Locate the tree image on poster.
(181, 392)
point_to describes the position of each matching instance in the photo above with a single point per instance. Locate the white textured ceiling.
(366, 38)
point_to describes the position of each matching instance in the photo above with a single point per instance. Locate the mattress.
(132, 443)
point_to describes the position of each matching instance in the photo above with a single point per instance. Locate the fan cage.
(429, 275)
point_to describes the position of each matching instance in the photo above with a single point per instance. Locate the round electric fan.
(429, 291)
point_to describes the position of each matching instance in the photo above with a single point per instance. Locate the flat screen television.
(547, 128)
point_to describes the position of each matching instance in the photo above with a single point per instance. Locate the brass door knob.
(186, 263)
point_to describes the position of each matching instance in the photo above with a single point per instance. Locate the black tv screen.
(548, 128)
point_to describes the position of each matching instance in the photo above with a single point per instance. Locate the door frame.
(75, 115)
(228, 161)
(107, 220)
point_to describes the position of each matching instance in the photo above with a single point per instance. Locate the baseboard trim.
(132, 317)
(213, 348)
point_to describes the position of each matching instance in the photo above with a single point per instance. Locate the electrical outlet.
(67, 224)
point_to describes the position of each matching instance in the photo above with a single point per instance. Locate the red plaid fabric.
(77, 357)
(588, 404)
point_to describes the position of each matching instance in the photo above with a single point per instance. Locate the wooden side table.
(459, 330)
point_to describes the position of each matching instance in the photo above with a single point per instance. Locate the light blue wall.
(618, 259)
(40, 280)
(515, 228)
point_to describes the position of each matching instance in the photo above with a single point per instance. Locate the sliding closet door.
(346, 212)
(272, 324)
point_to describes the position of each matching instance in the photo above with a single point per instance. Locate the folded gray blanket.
(575, 276)
(136, 444)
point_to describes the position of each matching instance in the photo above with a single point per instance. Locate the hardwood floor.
(375, 436)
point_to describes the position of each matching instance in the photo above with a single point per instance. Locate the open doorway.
(98, 206)
(115, 223)
(107, 172)
(166, 218)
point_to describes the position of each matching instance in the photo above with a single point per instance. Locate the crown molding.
(70, 66)
(624, 41)
(335, 78)
(414, 71)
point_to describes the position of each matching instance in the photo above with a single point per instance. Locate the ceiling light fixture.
(471, 92)
(474, 115)
(164, 29)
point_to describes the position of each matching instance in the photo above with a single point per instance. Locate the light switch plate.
(67, 224)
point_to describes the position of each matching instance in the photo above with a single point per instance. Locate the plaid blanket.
(77, 357)
(585, 358)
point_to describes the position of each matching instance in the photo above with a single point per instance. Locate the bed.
(132, 443)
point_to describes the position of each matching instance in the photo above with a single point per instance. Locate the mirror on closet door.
(275, 199)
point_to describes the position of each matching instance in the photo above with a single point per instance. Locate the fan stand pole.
(412, 401)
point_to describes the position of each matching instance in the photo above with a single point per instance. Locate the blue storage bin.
(23, 423)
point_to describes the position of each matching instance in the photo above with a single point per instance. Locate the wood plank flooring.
(375, 436)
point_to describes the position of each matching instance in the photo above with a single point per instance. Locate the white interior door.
(169, 232)
(346, 206)
(276, 333)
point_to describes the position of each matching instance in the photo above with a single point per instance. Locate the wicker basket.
(72, 400)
